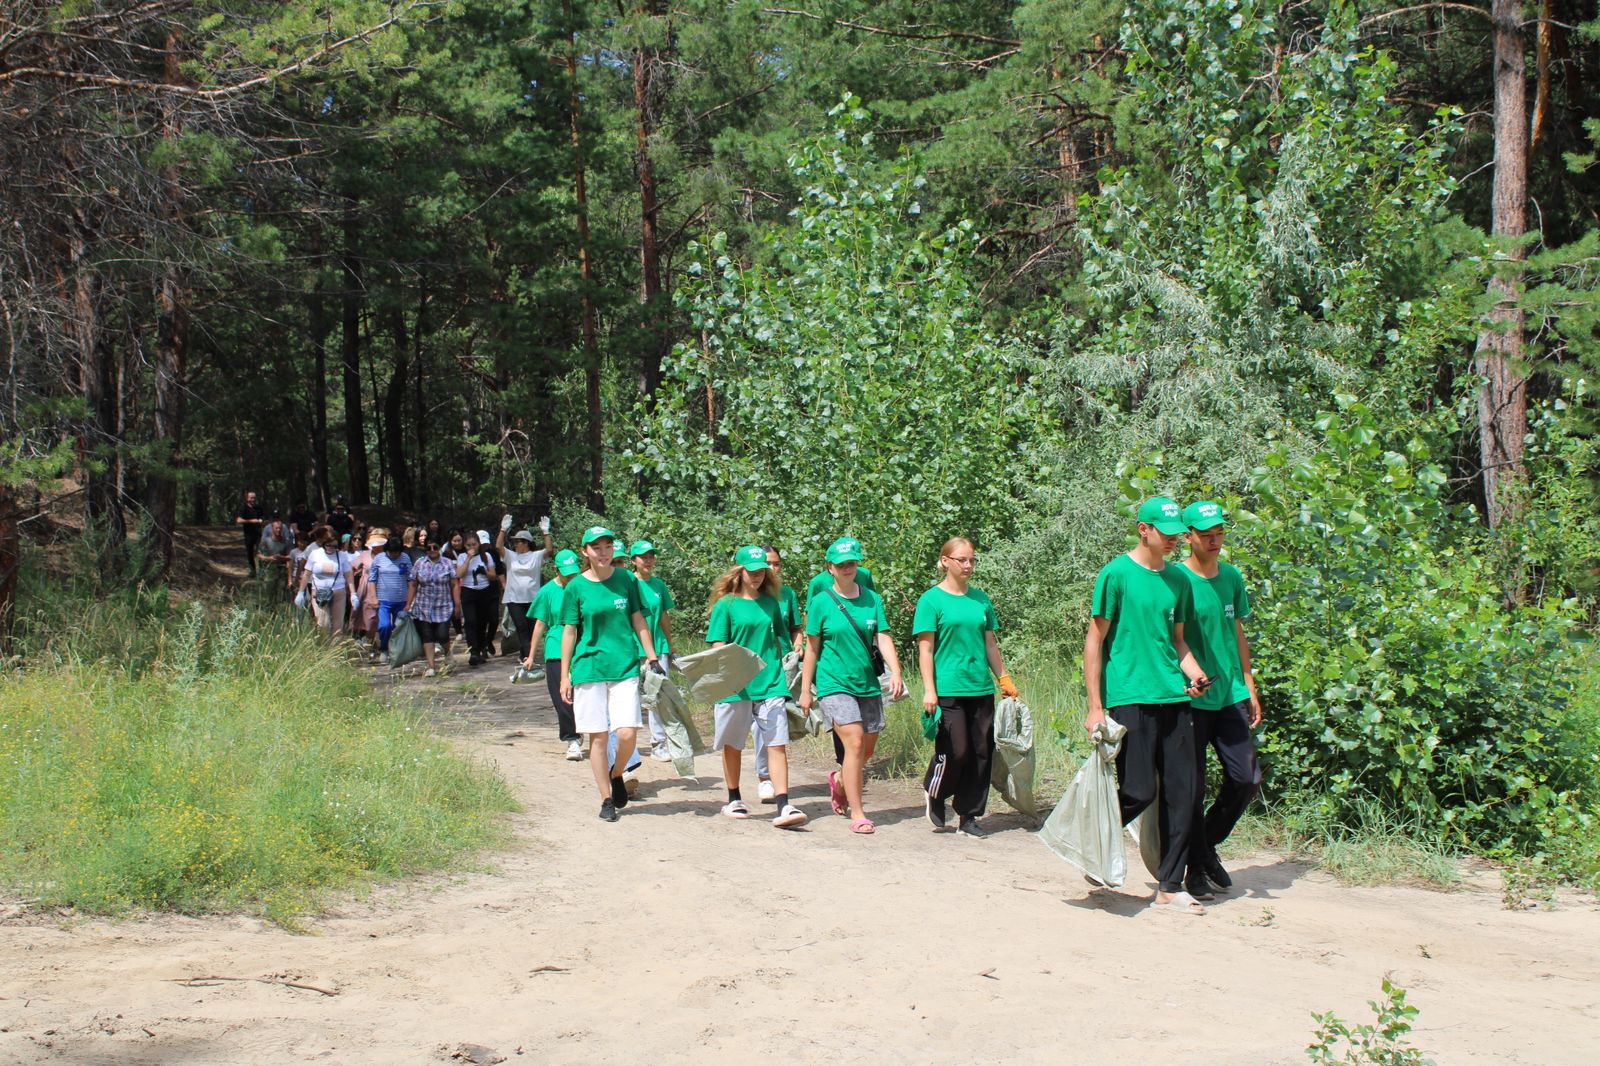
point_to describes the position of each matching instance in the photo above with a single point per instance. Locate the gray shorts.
(845, 709)
(734, 718)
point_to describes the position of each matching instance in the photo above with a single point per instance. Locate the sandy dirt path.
(678, 936)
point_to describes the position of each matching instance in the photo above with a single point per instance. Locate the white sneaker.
(660, 753)
(766, 792)
(574, 752)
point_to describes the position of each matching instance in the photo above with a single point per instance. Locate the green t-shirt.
(824, 581)
(1140, 660)
(1219, 602)
(657, 600)
(546, 608)
(602, 612)
(789, 611)
(756, 625)
(960, 648)
(842, 664)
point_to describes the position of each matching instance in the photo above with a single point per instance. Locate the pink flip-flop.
(836, 793)
(862, 826)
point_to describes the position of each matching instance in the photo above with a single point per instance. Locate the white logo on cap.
(1170, 510)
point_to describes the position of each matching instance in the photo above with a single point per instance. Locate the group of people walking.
(1166, 656)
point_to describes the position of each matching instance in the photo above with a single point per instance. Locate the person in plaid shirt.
(434, 598)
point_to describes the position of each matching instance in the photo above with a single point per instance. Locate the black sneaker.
(1214, 871)
(970, 827)
(608, 811)
(1198, 887)
(935, 809)
(619, 793)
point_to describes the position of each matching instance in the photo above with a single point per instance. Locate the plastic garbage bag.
(716, 674)
(1146, 833)
(662, 696)
(812, 723)
(1086, 826)
(791, 673)
(405, 643)
(508, 628)
(884, 686)
(1013, 755)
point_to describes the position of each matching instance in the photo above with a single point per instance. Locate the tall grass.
(156, 757)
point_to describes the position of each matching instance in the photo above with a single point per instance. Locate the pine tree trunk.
(355, 429)
(591, 345)
(98, 454)
(646, 62)
(321, 326)
(10, 564)
(1502, 401)
(172, 350)
(394, 401)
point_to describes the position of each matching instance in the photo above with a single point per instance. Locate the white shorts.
(733, 720)
(601, 706)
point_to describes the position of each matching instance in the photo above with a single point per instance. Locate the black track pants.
(1160, 747)
(963, 754)
(1227, 732)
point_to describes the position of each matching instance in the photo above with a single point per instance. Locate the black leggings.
(477, 616)
(524, 626)
(1160, 748)
(963, 754)
(567, 724)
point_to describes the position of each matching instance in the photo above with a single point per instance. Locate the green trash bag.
(791, 673)
(1013, 755)
(717, 673)
(508, 628)
(405, 643)
(812, 723)
(1146, 833)
(661, 695)
(1086, 826)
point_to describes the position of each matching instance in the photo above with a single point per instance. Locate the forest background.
(722, 272)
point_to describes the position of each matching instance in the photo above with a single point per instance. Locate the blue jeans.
(386, 613)
(611, 754)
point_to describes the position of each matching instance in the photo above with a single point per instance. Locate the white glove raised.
(505, 523)
(544, 525)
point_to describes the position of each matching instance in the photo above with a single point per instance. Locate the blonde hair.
(731, 582)
(409, 537)
(949, 546)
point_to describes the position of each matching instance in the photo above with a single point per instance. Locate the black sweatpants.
(524, 627)
(565, 722)
(477, 618)
(963, 754)
(1160, 747)
(1228, 732)
(250, 544)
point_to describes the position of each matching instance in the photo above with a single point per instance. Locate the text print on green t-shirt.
(602, 613)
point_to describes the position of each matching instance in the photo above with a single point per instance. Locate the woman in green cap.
(547, 633)
(603, 642)
(957, 653)
(846, 631)
(658, 604)
(745, 611)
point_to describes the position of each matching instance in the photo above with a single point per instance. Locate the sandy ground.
(677, 935)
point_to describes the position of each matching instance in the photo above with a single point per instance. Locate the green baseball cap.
(567, 562)
(594, 533)
(1164, 514)
(752, 557)
(845, 550)
(1204, 515)
(642, 547)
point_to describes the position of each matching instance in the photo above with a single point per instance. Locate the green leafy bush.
(1391, 665)
(1381, 1044)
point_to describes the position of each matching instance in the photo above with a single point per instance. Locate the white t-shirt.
(522, 574)
(477, 575)
(317, 558)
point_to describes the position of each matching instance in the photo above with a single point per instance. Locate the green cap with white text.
(642, 547)
(844, 550)
(567, 562)
(594, 533)
(752, 557)
(1204, 515)
(1164, 514)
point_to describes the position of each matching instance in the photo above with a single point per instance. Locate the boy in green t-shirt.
(1226, 712)
(1139, 670)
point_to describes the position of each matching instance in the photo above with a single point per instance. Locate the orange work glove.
(1008, 687)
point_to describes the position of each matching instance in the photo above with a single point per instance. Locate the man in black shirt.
(304, 520)
(342, 521)
(250, 518)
